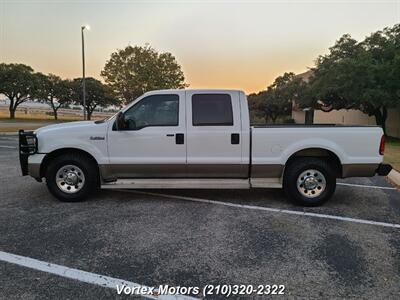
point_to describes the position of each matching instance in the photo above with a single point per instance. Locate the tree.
(381, 83)
(269, 106)
(17, 84)
(133, 71)
(359, 75)
(53, 90)
(288, 88)
(276, 100)
(97, 94)
(330, 76)
(261, 106)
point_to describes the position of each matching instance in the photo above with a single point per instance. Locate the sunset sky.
(220, 44)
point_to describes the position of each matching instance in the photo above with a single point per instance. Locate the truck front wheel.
(309, 181)
(71, 177)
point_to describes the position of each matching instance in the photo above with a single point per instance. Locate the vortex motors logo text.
(162, 290)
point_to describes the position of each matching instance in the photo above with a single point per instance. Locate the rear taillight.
(382, 145)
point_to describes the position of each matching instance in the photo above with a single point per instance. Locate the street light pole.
(83, 73)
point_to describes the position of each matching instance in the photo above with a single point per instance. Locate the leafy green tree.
(261, 106)
(276, 100)
(359, 75)
(53, 90)
(270, 107)
(288, 88)
(17, 82)
(381, 80)
(330, 76)
(133, 71)
(97, 94)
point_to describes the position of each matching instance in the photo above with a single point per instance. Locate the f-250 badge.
(97, 138)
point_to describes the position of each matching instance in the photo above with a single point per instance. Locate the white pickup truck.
(198, 139)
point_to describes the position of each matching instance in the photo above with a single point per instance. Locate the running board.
(183, 183)
(272, 183)
(177, 184)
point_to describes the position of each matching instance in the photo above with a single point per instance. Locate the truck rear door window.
(212, 110)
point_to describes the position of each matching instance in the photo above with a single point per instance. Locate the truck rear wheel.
(71, 177)
(309, 181)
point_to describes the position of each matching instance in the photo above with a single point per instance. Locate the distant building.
(344, 116)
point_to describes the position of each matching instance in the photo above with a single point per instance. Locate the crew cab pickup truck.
(198, 139)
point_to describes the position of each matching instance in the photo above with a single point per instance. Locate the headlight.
(27, 142)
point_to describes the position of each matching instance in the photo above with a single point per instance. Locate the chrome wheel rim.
(70, 179)
(311, 183)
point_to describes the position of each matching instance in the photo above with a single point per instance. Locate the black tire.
(85, 164)
(298, 167)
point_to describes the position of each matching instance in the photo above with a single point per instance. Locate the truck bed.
(355, 147)
(306, 125)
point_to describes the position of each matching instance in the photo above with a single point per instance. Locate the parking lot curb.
(394, 176)
(8, 133)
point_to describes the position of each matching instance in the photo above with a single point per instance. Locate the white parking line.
(8, 147)
(97, 279)
(269, 209)
(367, 186)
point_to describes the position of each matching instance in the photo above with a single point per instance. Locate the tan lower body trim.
(217, 171)
(359, 170)
(34, 170)
(109, 172)
(266, 171)
(142, 171)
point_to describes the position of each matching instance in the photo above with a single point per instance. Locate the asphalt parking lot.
(151, 239)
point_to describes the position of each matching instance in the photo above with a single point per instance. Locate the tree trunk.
(12, 109)
(309, 117)
(14, 102)
(12, 112)
(54, 110)
(90, 110)
(380, 117)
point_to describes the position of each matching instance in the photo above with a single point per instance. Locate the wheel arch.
(55, 153)
(318, 152)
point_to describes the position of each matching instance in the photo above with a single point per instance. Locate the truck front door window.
(156, 110)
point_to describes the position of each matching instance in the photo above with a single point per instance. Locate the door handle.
(235, 138)
(179, 138)
(170, 134)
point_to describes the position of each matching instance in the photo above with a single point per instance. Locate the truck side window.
(212, 110)
(155, 110)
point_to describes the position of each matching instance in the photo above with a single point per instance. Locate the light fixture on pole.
(83, 70)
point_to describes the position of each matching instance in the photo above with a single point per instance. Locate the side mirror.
(120, 121)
